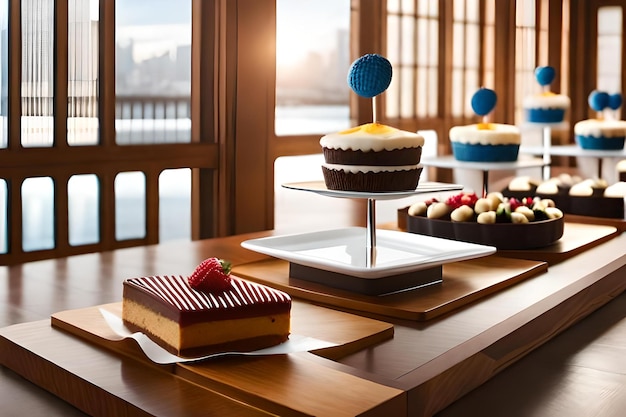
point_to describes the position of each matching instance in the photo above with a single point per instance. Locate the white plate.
(344, 251)
(319, 187)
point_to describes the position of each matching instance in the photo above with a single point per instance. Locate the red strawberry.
(212, 275)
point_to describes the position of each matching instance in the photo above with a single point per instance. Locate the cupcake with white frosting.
(372, 158)
(546, 106)
(485, 142)
(605, 131)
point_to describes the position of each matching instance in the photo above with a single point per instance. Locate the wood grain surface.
(97, 379)
(351, 333)
(463, 283)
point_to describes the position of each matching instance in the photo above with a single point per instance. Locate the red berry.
(462, 199)
(212, 275)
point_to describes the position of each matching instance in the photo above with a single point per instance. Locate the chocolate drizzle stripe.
(168, 294)
(175, 291)
(243, 295)
(166, 286)
(175, 295)
(182, 286)
(150, 284)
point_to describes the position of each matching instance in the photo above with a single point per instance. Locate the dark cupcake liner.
(373, 182)
(395, 157)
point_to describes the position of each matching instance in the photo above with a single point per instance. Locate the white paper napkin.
(154, 352)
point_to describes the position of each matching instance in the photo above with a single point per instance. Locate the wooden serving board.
(351, 333)
(463, 283)
(99, 381)
(619, 224)
(577, 237)
(579, 234)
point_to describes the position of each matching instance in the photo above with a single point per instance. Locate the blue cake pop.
(615, 101)
(545, 75)
(483, 101)
(370, 75)
(598, 100)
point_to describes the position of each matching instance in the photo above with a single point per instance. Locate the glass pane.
(175, 204)
(610, 20)
(610, 49)
(458, 45)
(37, 76)
(423, 43)
(4, 73)
(82, 88)
(422, 93)
(471, 85)
(472, 43)
(4, 212)
(433, 43)
(457, 93)
(408, 6)
(433, 100)
(472, 11)
(153, 71)
(408, 40)
(459, 10)
(393, 6)
(392, 96)
(130, 205)
(37, 214)
(83, 199)
(407, 106)
(393, 39)
(312, 62)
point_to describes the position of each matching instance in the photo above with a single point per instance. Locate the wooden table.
(424, 368)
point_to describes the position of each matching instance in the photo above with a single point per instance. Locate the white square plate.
(344, 251)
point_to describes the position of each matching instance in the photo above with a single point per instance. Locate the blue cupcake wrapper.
(602, 143)
(545, 115)
(484, 153)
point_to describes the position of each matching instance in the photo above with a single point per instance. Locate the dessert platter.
(485, 146)
(505, 223)
(371, 161)
(574, 195)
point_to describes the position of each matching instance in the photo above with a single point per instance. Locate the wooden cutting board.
(577, 237)
(463, 283)
(350, 332)
(286, 385)
(100, 381)
(579, 234)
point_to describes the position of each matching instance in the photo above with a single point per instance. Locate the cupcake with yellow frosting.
(372, 158)
(485, 142)
(603, 132)
(545, 107)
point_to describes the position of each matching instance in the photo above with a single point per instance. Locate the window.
(413, 49)
(37, 73)
(525, 52)
(101, 108)
(153, 72)
(83, 193)
(312, 62)
(466, 49)
(610, 49)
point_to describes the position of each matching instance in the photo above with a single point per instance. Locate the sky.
(308, 25)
